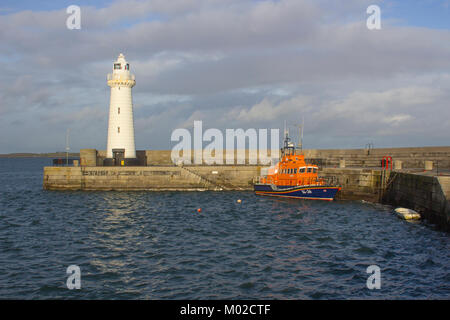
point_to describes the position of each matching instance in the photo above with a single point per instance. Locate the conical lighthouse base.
(118, 159)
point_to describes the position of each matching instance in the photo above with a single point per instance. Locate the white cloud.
(234, 63)
(397, 119)
(267, 111)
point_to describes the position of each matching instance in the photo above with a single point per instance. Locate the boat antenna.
(286, 140)
(300, 134)
(285, 130)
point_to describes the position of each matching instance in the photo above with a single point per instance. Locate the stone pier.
(420, 179)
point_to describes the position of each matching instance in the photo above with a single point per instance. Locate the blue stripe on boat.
(300, 192)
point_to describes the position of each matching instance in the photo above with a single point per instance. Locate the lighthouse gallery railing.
(120, 77)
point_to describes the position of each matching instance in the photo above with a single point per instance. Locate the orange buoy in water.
(199, 210)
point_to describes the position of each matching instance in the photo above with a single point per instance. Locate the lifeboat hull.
(298, 192)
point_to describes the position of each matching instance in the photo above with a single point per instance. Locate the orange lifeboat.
(294, 178)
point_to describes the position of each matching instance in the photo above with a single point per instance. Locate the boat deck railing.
(320, 181)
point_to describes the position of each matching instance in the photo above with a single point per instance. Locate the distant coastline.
(39, 155)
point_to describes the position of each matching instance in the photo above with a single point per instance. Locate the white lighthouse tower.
(120, 147)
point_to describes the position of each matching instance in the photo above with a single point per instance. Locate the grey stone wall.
(410, 157)
(150, 178)
(427, 195)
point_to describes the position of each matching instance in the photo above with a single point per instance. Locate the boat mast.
(288, 147)
(300, 136)
(300, 133)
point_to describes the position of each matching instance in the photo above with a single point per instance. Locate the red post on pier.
(387, 160)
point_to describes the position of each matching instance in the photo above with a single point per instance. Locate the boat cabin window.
(295, 170)
(309, 170)
(302, 170)
(315, 170)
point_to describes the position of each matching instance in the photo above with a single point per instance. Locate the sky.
(231, 64)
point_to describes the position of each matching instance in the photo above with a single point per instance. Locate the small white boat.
(407, 214)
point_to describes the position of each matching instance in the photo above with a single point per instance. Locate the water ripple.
(155, 245)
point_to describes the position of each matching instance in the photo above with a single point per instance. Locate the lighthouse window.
(118, 129)
(118, 110)
(127, 67)
(116, 66)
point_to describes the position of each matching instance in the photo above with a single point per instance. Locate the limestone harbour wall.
(369, 158)
(361, 179)
(356, 183)
(156, 178)
(429, 195)
(411, 158)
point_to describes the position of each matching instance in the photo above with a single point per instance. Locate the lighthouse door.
(118, 156)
